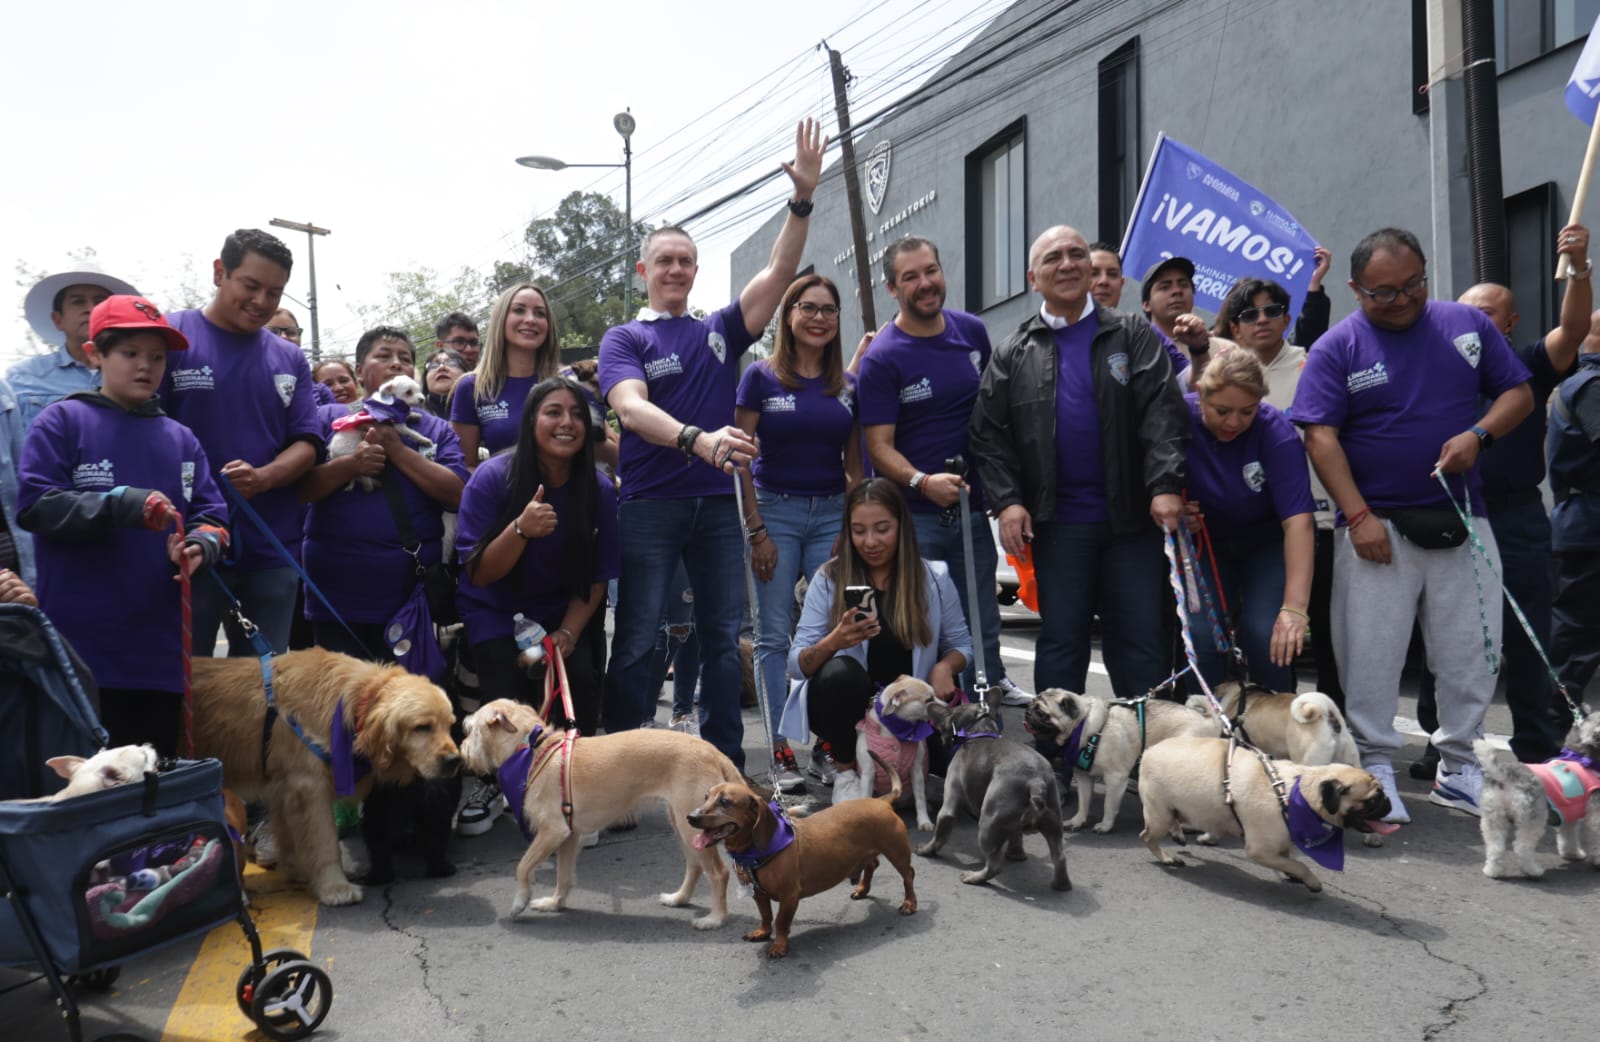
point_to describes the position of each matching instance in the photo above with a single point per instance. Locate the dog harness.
(1568, 782)
(751, 860)
(1315, 837)
(1080, 754)
(963, 736)
(1245, 690)
(516, 774)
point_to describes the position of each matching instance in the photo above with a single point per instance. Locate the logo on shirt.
(1118, 364)
(977, 362)
(101, 475)
(847, 399)
(193, 379)
(659, 367)
(719, 346)
(920, 391)
(1255, 476)
(285, 385)
(778, 403)
(186, 473)
(488, 412)
(1470, 347)
(429, 452)
(1366, 379)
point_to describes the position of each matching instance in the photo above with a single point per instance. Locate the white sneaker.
(688, 723)
(1012, 695)
(847, 786)
(264, 844)
(1397, 809)
(1458, 790)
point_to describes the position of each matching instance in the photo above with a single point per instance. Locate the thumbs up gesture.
(538, 518)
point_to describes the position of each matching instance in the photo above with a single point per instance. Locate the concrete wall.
(1307, 99)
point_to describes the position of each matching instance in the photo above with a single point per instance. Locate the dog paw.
(708, 922)
(518, 906)
(1016, 854)
(908, 907)
(339, 894)
(1371, 839)
(545, 904)
(924, 825)
(1074, 825)
(1533, 870)
(1206, 839)
(928, 850)
(760, 933)
(1104, 827)
(778, 949)
(674, 899)
(975, 878)
(1061, 882)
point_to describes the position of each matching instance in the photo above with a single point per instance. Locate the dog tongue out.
(1383, 828)
(705, 838)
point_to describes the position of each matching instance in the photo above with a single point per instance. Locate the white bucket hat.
(37, 305)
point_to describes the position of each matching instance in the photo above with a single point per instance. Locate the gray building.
(1050, 114)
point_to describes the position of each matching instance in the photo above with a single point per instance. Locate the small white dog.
(106, 769)
(392, 404)
(1518, 799)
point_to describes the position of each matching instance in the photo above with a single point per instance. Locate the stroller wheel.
(252, 976)
(97, 980)
(292, 1001)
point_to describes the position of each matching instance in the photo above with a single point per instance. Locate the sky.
(149, 131)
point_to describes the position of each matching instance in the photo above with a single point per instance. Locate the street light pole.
(312, 231)
(625, 125)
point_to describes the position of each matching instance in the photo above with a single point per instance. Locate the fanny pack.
(1431, 528)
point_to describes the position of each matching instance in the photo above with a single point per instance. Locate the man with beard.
(918, 382)
(1388, 396)
(1079, 434)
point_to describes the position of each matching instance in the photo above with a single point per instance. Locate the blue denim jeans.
(804, 530)
(938, 542)
(656, 534)
(266, 598)
(1082, 569)
(676, 646)
(1252, 585)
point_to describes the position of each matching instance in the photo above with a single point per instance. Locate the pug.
(1099, 739)
(1181, 783)
(1306, 728)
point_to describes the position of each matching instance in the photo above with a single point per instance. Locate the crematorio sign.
(877, 175)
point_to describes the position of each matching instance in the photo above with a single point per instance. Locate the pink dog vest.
(902, 756)
(1567, 786)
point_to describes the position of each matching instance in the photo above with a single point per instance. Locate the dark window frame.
(1120, 140)
(976, 249)
(1539, 308)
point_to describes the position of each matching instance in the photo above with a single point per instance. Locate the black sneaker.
(482, 807)
(822, 767)
(1427, 768)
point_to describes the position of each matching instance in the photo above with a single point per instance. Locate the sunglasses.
(1256, 314)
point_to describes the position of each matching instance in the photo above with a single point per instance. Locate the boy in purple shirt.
(919, 380)
(101, 473)
(671, 379)
(1389, 395)
(246, 394)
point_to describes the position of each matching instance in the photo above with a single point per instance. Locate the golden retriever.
(401, 725)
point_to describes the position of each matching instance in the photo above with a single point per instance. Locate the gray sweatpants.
(1374, 606)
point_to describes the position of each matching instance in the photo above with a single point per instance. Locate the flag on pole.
(1583, 89)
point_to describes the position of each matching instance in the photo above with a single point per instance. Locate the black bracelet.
(686, 439)
(801, 207)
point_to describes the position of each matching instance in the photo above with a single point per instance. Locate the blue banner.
(1190, 206)
(1583, 87)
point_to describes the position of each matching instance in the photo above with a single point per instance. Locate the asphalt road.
(1410, 942)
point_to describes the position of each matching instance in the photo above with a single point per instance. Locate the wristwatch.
(801, 207)
(916, 481)
(686, 438)
(1485, 439)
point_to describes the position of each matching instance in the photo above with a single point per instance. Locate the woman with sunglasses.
(800, 403)
(1256, 316)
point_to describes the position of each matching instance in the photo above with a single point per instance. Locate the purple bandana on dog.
(1579, 759)
(904, 730)
(1069, 752)
(348, 768)
(782, 836)
(513, 776)
(374, 410)
(1316, 838)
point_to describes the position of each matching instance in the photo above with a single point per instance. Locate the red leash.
(158, 514)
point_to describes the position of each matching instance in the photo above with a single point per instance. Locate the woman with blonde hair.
(1249, 487)
(520, 348)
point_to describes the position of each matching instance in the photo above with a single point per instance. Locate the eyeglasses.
(1388, 295)
(284, 331)
(1255, 314)
(460, 342)
(810, 310)
(442, 363)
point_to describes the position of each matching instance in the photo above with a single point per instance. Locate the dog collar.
(903, 730)
(513, 778)
(348, 768)
(963, 736)
(752, 858)
(1317, 839)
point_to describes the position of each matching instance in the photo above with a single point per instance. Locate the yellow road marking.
(207, 1009)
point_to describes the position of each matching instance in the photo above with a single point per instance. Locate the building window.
(997, 212)
(1419, 57)
(1531, 254)
(1120, 166)
(1526, 29)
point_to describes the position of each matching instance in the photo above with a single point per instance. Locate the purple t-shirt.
(1397, 397)
(1253, 483)
(353, 549)
(1179, 360)
(534, 585)
(925, 387)
(690, 367)
(245, 397)
(112, 595)
(498, 421)
(1080, 459)
(803, 432)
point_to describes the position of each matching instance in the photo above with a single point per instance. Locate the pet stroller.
(94, 880)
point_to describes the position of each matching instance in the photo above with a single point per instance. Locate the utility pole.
(312, 231)
(852, 188)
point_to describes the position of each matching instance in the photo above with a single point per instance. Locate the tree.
(579, 254)
(415, 300)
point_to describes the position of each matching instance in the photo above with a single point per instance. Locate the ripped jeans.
(676, 644)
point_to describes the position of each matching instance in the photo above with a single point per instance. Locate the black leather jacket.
(1144, 423)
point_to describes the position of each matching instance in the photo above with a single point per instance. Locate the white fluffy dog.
(392, 404)
(1519, 799)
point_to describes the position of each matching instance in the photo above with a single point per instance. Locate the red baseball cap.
(129, 312)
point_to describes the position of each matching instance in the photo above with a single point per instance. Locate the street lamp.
(625, 125)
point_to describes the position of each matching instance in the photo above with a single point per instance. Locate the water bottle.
(529, 636)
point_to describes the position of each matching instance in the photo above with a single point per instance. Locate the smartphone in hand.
(862, 600)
